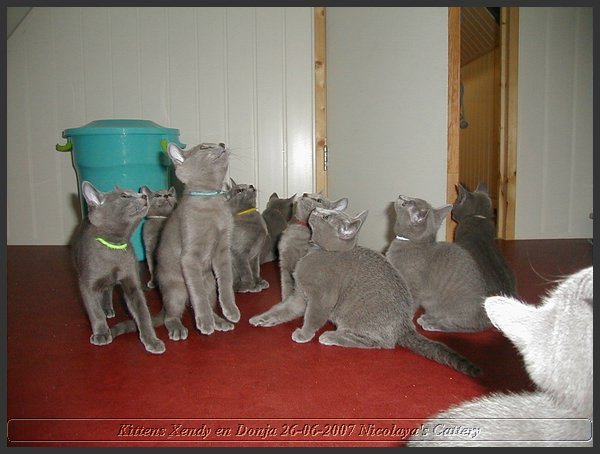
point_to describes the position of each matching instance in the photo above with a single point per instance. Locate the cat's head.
(476, 203)
(555, 338)
(334, 230)
(240, 196)
(161, 202)
(117, 212)
(201, 168)
(308, 202)
(416, 219)
(283, 206)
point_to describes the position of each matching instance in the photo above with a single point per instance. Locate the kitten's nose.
(221, 144)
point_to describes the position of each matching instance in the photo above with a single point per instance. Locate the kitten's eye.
(125, 196)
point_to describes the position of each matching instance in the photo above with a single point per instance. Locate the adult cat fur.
(442, 277)
(556, 342)
(359, 291)
(476, 232)
(103, 257)
(161, 205)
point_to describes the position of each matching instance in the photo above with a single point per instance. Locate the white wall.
(555, 124)
(387, 102)
(243, 76)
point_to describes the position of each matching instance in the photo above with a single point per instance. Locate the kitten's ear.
(462, 193)
(233, 183)
(513, 318)
(172, 191)
(482, 187)
(175, 153)
(273, 196)
(349, 229)
(92, 196)
(340, 204)
(291, 198)
(146, 191)
(442, 212)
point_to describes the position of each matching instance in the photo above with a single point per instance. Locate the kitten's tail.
(438, 352)
(129, 326)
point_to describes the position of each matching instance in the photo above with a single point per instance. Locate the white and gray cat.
(194, 253)
(357, 290)
(277, 214)
(476, 232)
(443, 277)
(294, 245)
(103, 256)
(248, 238)
(162, 203)
(556, 342)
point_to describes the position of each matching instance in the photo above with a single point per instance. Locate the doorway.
(482, 45)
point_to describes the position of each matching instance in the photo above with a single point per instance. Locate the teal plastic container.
(128, 153)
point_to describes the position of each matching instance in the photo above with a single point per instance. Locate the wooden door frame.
(509, 49)
(320, 68)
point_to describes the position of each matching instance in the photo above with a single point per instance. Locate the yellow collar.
(249, 210)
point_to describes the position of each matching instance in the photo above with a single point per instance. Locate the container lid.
(119, 127)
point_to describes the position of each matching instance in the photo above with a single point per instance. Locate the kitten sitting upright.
(293, 245)
(248, 237)
(442, 277)
(359, 291)
(103, 256)
(476, 232)
(162, 203)
(556, 341)
(277, 214)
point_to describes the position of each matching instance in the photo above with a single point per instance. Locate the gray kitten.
(194, 253)
(293, 245)
(277, 214)
(247, 240)
(103, 256)
(556, 341)
(162, 203)
(442, 277)
(359, 291)
(476, 232)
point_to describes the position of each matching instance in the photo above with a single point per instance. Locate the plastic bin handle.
(66, 147)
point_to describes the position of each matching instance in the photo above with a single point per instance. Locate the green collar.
(110, 245)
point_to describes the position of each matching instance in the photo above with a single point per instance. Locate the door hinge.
(325, 157)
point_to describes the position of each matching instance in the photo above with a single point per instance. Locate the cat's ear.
(482, 187)
(172, 191)
(462, 193)
(146, 191)
(92, 196)
(233, 183)
(340, 204)
(273, 196)
(291, 198)
(175, 153)
(349, 228)
(442, 212)
(512, 317)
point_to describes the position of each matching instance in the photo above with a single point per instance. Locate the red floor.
(247, 387)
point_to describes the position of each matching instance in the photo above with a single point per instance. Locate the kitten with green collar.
(104, 257)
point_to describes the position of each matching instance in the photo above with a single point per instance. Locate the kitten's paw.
(299, 336)
(110, 312)
(205, 327)
(263, 284)
(101, 339)
(176, 330)
(155, 346)
(263, 320)
(223, 325)
(329, 338)
(429, 324)
(232, 314)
